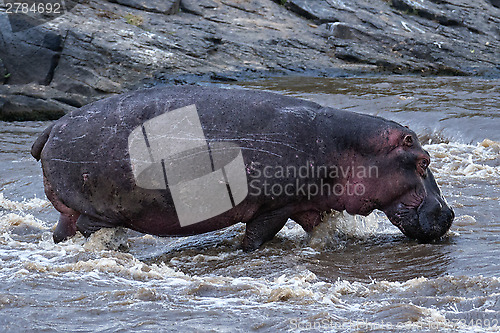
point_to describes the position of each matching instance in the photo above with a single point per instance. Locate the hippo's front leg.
(264, 227)
(88, 225)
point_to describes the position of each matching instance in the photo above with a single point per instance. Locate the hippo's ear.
(408, 140)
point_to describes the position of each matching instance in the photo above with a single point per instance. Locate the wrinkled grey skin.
(88, 176)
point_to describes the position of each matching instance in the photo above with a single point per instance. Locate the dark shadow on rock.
(29, 55)
(35, 102)
(495, 3)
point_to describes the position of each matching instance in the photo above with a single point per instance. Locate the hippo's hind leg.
(307, 219)
(263, 228)
(66, 227)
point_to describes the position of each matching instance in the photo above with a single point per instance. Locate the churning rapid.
(349, 274)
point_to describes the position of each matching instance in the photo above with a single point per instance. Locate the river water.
(351, 274)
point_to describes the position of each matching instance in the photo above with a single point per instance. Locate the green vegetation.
(134, 19)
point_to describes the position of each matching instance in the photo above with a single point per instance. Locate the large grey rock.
(107, 47)
(440, 37)
(35, 102)
(341, 30)
(314, 10)
(495, 3)
(168, 7)
(198, 7)
(29, 55)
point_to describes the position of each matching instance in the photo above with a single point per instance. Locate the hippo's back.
(86, 156)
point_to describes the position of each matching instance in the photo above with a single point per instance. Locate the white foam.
(97, 260)
(457, 160)
(337, 226)
(26, 204)
(11, 220)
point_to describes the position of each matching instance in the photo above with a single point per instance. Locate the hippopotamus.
(254, 157)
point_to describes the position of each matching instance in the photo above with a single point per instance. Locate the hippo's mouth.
(427, 221)
(404, 213)
(405, 217)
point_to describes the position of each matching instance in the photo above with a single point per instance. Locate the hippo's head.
(404, 188)
(417, 206)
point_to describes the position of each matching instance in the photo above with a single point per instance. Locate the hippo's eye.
(422, 166)
(424, 163)
(408, 141)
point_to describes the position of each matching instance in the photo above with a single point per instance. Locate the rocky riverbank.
(107, 47)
